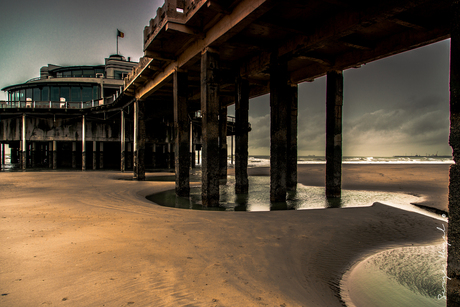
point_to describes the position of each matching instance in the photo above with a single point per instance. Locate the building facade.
(72, 86)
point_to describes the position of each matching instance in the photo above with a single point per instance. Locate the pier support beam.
(94, 155)
(210, 127)
(33, 154)
(23, 144)
(241, 145)
(223, 142)
(74, 154)
(453, 248)
(139, 140)
(129, 156)
(334, 103)
(101, 155)
(83, 143)
(182, 139)
(192, 147)
(291, 178)
(50, 154)
(55, 156)
(279, 103)
(3, 156)
(154, 155)
(123, 142)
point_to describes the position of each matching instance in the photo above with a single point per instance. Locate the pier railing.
(54, 104)
(173, 10)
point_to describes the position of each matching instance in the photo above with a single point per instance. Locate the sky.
(394, 106)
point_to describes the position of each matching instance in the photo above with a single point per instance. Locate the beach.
(93, 239)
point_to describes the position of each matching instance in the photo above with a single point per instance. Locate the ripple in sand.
(408, 276)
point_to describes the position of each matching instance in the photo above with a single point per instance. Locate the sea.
(264, 161)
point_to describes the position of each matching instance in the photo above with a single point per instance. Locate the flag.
(120, 34)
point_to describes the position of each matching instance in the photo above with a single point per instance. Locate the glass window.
(46, 93)
(54, 93)
(88, 73)
(59, 75)
(96, 94)
(67, 74)
(16, 96)
(65, 93)
(29, 93)
(86, 94)
(77, 73)
(99, 70)
(10, 96)
(36, 94)
(22, 95)
(75, 94)
(118, 74)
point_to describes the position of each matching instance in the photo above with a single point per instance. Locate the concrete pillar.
(139, 140)
(223, 142)
(55, 155)
(101, 155)
(182, 131)
(291, 178)
(210, 127)
(231, 149)
(122, 142)
(241, 144)
(33, 152)
(192, 147)
(50, 154)
(42, 154)
(279, 102)
(198, 158)
(23, 144)
(171, 155)
(166, 155)
(3, 155)
(83, 144)
(74, 154)
(135, 123)
(334, 102)
(453, 248)
(129, 156)
(94, 155)
(154, 155)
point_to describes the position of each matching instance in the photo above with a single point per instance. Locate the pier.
(231, 51)
(201, 56)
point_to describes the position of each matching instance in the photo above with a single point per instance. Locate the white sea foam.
(264, 161)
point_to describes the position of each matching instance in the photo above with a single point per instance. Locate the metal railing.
(52, 104)
(80, 76)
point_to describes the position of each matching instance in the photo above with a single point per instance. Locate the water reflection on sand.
(306, 197)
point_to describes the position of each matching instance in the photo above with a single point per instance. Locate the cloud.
(259, 137)
(421, 126)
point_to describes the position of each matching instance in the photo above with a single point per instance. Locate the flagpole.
(117, 42)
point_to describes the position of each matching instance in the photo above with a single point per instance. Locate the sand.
(90, 239)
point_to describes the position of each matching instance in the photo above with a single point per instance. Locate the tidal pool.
(408, 276)
(258, 198)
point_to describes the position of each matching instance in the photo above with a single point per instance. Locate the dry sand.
(89, 239)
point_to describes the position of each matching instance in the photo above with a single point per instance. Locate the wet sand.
(428, 180)
(89, 239)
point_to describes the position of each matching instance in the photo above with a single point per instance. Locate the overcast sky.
(395, 106)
